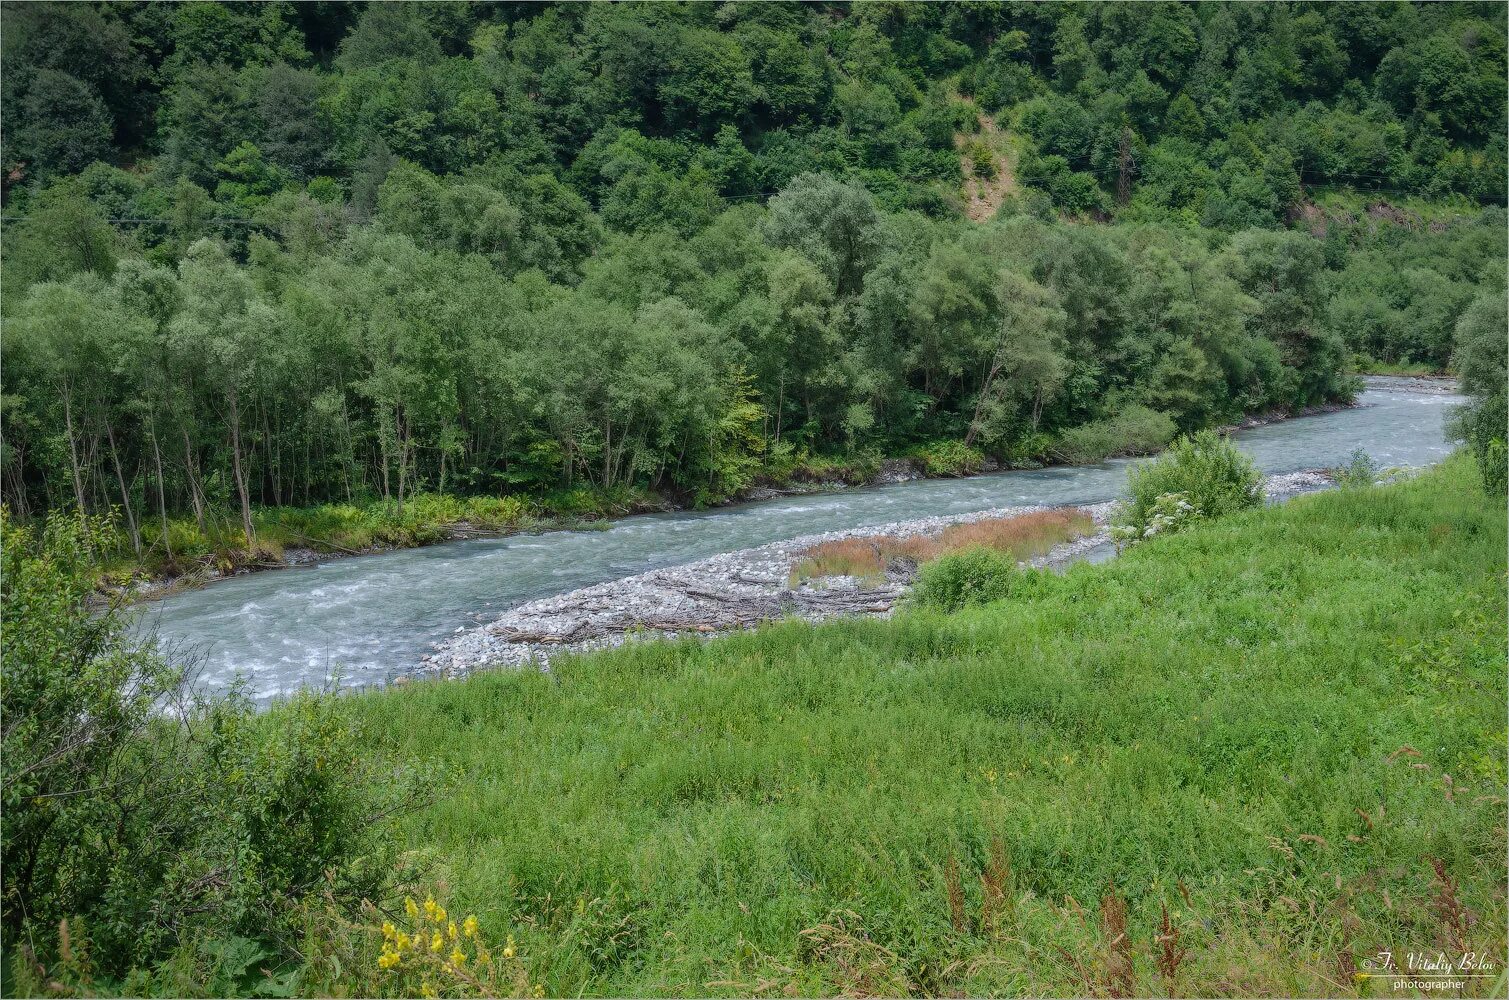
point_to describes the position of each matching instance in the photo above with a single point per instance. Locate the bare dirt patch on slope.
(984, 191)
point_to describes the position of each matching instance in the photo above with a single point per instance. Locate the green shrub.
(1482, 357)
(161, 822)
(1360, 470)
(587, 502)
(982, 158)
(1207, 471)
(948, 458)
(973, 576)
(803, 466)
(1169, 513)
(1136, 430)
(497, 512)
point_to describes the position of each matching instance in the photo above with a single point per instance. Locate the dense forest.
(349, 275)
(283, 254)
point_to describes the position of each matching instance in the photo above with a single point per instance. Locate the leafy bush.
(589, 502)
(497, 512)
(982, 158)
(162, 822)
(1136, 430)
(1360, 470)
(1170, 513)
(1206, 471)
(972, 576)
(1483, 359)
(949, 458)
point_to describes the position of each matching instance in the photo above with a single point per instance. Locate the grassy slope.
(1185, 713)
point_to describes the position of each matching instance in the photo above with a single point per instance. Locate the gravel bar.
(733, 591)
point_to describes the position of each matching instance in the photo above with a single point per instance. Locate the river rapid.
(368, 620)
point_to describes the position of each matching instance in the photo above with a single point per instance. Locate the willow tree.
(1027, 366)
(225, 324)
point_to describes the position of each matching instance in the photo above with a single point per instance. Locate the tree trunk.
(120, 478)
(162, 499)
(196, 495)
(1124, 167)
(73, 451)
(383, 434)
(780, 407)
(974, 421)
(18, 483)
(608, 454)
(403, 461)
(237, 471)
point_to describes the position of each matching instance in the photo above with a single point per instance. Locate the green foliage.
(1361, 470)
(158, 822)
(482, 250)
(1480, 358)
(1168, 513)
(1195, 697)
(1136, 430)
(833, 224)
(1204, 471)
(983, 160)
(948, 458)
(1399, 295)
(973, 576)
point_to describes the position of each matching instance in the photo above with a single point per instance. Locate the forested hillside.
(283, 254)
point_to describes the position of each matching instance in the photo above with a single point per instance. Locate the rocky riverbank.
(1430, 385)
(736, 590)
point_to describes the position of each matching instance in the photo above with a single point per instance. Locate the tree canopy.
(281, 254)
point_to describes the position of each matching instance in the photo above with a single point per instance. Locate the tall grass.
(1242, 732)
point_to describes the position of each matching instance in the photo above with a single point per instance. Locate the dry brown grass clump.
(846, 557)
(1023, 537)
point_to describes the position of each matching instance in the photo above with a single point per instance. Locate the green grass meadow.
(1265, 727)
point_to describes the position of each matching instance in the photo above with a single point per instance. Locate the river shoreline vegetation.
(309, 259)
(336, 276)
(748, 815)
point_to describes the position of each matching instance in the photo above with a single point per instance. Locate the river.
(366, 620)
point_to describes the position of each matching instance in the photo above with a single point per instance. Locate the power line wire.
(166, 222)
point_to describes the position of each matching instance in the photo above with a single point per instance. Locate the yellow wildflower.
(404, 940)
(437, 942)
(508, 947)
(439, 914)
(429, 908)
(469, 926)
(426, 990)
(388, 930)
(410, 908)
(458, 957)
(539, 990)
(450, 930)
(388, 960)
